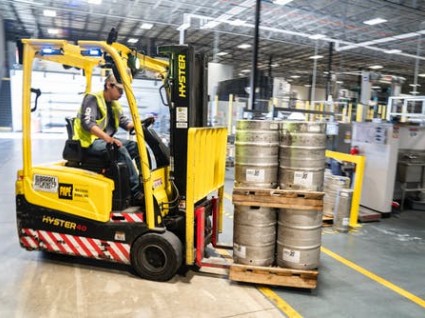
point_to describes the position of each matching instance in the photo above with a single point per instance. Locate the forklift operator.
(97, 122)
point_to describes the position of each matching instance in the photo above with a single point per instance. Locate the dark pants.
(126, 154)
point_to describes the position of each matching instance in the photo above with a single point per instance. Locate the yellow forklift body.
(69, 190)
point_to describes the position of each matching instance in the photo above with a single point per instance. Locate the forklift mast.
(188, 103)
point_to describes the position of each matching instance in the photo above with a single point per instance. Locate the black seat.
(76, 155)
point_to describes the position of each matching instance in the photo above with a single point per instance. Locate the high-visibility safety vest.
(85, 137)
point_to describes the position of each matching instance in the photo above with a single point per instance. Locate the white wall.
(216, 73)
(62, 94)
(302, 93)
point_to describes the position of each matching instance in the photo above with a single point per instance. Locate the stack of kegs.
(256, 166)
(291, 154)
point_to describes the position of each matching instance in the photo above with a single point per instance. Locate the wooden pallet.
(275, 198)
(275, 276)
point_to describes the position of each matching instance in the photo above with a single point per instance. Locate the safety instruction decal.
(45, 183)
(181, 117)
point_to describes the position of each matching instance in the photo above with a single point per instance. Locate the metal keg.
(302, 155)
(299, 236)
(331, 186)
(256, 153)
(342, 210)
(254, 235)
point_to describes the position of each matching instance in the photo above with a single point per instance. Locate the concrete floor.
(374, 271)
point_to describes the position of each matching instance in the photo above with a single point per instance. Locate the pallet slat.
(274, 276)
(276, 198)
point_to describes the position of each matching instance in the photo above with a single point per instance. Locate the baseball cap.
(111, 79)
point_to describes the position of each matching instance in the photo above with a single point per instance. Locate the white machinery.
(378, 142)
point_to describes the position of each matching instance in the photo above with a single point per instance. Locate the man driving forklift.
(97, 122)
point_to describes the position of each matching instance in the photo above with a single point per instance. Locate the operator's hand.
(114, 141)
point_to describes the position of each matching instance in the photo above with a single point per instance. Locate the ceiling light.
(315, 57)
(376, 67)
(295, 76)
(393, 51)
(245, 71)
(274, 65)
(146, 26)
(339, 82)
(414, 85)
(376, 87)
(374, 21)
(307, 85)
(132, 40)
(222, 53)
(94, 1)
(281, 2)
(52, 31)
(317, 36)
(289, 80)
(244, 46)
(421, 75)
(49, 13)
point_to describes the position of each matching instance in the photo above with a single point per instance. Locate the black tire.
(157, 256)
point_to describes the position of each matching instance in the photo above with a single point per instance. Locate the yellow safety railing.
(206, 168)
(358, 181)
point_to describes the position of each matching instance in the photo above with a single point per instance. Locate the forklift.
(81, 205)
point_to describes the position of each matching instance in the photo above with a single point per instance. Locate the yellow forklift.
(80, 205)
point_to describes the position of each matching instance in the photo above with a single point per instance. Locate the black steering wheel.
(145, 123)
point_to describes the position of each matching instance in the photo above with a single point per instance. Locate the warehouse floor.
(376, 270)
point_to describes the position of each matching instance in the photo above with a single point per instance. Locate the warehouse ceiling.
(288, 33)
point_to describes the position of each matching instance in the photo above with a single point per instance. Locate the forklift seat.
(76, 155)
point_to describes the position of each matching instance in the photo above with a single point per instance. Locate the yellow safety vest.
(85, 137)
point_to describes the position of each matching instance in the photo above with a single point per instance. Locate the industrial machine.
(80, 206)
(378, 142)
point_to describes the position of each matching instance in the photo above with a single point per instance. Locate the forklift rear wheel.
(157, 256)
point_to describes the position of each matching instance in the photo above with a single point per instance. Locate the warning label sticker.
(45, 183)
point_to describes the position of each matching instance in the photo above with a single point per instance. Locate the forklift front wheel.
(157, 256)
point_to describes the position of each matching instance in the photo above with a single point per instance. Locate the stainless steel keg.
(256, 153)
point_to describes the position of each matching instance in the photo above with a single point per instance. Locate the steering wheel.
(145, 123)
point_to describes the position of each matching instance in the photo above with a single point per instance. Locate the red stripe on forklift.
(44, 239)
(83, 246)
(57, 242)
(95, 246)
(70, 244)
(125, 249)
(114, 255)
(29, 242)
(133, 217)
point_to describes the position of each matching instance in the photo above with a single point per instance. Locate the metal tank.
(299, 237)
(256, 153)
(254, 235)
(342, 210)
(332, 185)
(302, 155)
